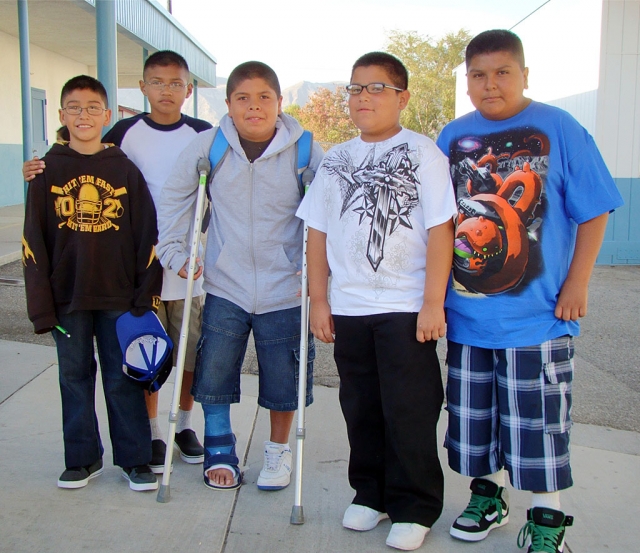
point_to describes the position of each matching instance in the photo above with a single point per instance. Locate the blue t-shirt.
(523, 185)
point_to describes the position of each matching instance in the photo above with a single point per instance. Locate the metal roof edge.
(134, 18)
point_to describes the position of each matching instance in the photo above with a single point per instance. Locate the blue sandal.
(228, 461)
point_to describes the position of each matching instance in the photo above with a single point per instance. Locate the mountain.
(211, 104)
(301, 92)
(211, 101)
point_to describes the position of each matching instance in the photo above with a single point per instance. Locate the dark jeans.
(391, 396)
(128, 420)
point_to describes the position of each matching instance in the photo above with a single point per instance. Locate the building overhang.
(68, 28)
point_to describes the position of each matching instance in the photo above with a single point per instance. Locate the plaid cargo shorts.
(511, 408)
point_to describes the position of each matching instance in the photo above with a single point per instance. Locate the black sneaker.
(545, 529)
(78, 477)
(158, 451)
(140, 478)
(487, 509)
(191, 450)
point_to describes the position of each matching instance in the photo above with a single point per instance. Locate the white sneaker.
(276, 471)
(361, 518)
(406, 535)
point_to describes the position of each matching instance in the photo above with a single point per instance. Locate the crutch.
(297, 511)
(164, 493)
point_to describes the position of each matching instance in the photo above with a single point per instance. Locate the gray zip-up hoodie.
(254, 242)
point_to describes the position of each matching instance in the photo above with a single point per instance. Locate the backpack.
(220, 148)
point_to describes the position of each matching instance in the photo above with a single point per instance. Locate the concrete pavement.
(11, 220)
(106, 516)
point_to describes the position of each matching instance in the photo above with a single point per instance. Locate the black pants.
(391, 396)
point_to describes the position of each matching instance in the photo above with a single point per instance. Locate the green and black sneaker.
(544, 530)
(487, 509)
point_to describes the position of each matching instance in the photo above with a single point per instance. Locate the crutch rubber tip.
(297, 515)
(164, 494)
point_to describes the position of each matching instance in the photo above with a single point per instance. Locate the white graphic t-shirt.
(376, 202)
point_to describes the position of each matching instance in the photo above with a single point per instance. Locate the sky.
(319, 41)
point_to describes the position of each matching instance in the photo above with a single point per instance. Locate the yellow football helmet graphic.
(88, 205)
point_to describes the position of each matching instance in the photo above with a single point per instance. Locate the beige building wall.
(49, 72)
(10, 104)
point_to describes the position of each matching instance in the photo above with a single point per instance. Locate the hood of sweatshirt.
(288, 131)
(62, 149)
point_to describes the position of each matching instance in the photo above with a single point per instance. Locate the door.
(39, 121)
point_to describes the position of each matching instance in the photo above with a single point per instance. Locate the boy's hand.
(32, 168)
(299, 292)
(322, 322)
(572, 301)
(184, 272)
(431, 323)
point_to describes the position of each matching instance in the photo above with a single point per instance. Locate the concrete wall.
(49, 72)
(618, 119)
(618, 124)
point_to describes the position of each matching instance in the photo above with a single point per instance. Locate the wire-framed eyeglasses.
(372, 88)
(91, 110)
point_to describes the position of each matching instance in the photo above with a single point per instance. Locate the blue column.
(25, 83)
(106, 40)
(145, 55)
(195, 98)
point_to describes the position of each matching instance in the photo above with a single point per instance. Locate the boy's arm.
(318, 274)
(431, 321)
(148, 281)
(572, 301)
(35, 260)
(177, 203)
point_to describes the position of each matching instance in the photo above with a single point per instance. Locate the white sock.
(184, 421)
(497, 478)
(549, 500)
(156, 433)
(282, 446)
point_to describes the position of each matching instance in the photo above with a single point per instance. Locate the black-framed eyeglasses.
(372, 88)
(91, 110)
(159, 85)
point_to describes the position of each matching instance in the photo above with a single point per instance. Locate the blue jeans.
(222, 346)
(128, 420)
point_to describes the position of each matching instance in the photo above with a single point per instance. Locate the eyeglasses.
(372, 88)
(91, 110)
(159, 85)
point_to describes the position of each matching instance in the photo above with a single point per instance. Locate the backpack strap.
(303, 156)
(219, 150)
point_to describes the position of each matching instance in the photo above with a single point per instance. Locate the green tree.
(293, 110)
(431, 81)
(326, 114)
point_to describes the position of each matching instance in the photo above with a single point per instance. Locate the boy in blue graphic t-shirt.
(533, 198)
